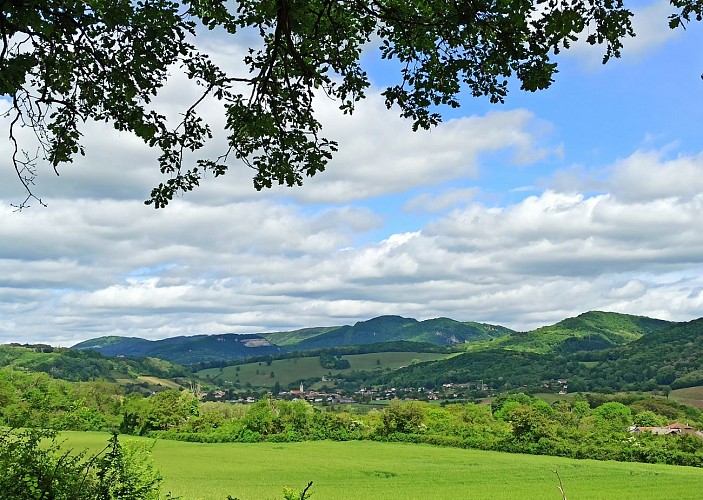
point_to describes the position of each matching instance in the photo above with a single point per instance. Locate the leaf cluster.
(65, 63)
(35, 466)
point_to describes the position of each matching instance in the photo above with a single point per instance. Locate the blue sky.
(584, 196)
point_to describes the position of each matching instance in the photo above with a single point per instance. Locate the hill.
(671, 357)
(593, 330)
(72, 365)
(439, 331)
(232, 347)
(192, 349)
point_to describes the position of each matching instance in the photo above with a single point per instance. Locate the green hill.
(72, 365)
(439, 331)
(287, 339)
(659, 359)
(593, 330)
(117, 346)
(193, 349)
(293, 370)
(232, 347)
(670, 357)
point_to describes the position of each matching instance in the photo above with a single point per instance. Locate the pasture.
(378, 471)
(287, 371)
(690, 395)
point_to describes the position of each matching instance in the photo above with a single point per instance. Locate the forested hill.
(76, 366)
(593, 330)
(193, 349)
(229, 347)
(439, 331)
(668, 358)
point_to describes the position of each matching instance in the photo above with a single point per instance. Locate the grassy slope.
(293, 370)
(690, 396)
(285, 339)
(385, 471)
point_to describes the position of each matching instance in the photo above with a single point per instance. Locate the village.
(459, 392)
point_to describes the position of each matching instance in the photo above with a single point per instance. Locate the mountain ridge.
(592, 330)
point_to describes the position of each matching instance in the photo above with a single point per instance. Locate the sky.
(584, 196)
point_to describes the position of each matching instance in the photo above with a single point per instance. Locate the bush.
(35, 467)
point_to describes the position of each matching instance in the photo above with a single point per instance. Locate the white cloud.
(651, 26)
(379, 153)
(255, 266)
(646, 175)
(227, 259)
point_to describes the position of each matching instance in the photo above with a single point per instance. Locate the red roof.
(678, 425)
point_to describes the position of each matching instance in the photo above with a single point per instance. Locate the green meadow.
(371, 470)
(287, 371)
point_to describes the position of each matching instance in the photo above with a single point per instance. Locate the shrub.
(35, 467)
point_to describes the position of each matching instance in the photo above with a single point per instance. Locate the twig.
(305, 491)
(561, 486)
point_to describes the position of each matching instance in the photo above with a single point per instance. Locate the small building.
(675, 429)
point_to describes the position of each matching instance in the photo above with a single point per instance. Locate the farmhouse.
(677, 428)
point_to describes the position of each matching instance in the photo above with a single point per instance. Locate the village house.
(677, 428)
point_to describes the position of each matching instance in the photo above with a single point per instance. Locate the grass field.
(690, 395)
(383, 471)
(287, 371)
(150, 384)
(160, 382)
(551, 397)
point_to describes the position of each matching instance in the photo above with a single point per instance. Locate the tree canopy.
(65, 62)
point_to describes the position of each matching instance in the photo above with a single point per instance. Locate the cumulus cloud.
(647, 175)
(379, 153)
(224, 258)
(537, 261)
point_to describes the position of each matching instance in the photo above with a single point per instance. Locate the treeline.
(37, 400)
(591, 427)
(516, 423)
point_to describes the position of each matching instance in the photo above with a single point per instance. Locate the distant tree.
(581, 408)
(401, 417)
(65, 63)
(648, 418)
(613, 416)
